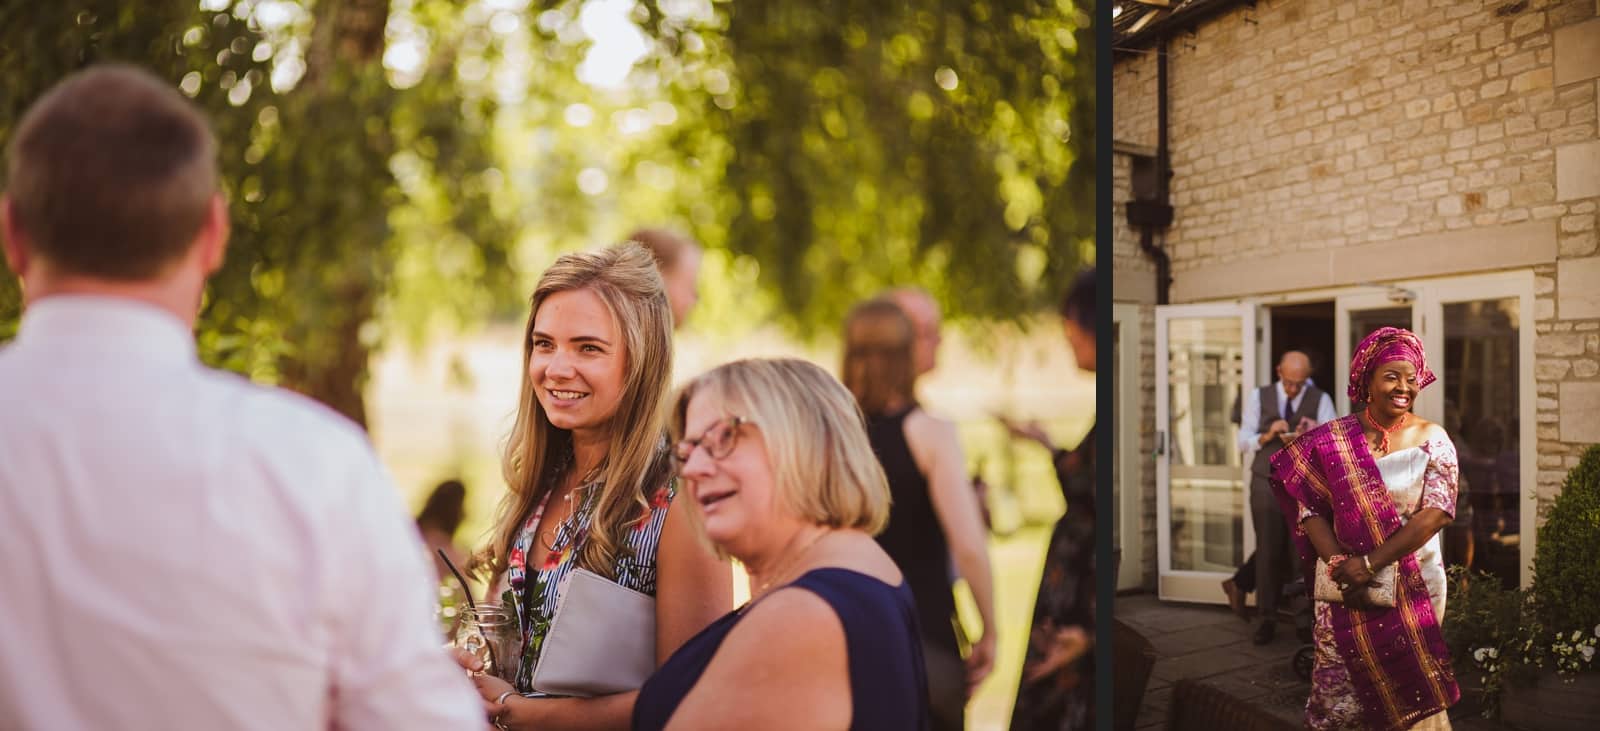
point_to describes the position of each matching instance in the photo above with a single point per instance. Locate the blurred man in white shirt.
(182, 549)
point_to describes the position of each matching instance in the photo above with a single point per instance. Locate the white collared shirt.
(1250, 413)
(181, 549)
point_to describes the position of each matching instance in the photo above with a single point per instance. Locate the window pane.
(1481, 406)
(1205, 360)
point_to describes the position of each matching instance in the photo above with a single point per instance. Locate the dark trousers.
(1273, 558)
(1244, 577)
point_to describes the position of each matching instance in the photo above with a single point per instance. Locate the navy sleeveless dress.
(888, 687)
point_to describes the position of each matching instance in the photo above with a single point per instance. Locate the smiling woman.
(590, 481)
(576, 365)
(1372, 490)
(776, 457)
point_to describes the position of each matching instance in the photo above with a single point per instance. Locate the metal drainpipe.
(1163, 172)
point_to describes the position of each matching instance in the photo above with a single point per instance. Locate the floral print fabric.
(537, 590)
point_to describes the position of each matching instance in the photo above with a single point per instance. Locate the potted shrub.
(1486, 628)
(1557, 685)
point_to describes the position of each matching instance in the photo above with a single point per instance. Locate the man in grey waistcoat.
(1271, 417)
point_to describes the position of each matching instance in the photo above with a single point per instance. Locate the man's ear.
(11, 239)
(214, 235)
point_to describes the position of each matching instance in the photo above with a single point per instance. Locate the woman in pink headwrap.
(1362, 493)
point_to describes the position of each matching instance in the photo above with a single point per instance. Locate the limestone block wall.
(1388, 139)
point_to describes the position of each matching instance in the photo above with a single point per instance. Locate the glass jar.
(489, 631)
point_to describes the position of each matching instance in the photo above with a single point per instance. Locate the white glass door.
(1203, 353)
(1482, 351)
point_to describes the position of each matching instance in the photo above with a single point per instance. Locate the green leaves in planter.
(1487, 630)
(1566, 565)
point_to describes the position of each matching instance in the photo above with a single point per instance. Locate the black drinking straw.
(467, 592)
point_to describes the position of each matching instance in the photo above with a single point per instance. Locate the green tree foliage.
(822, 151)
(846, 146)
(307, 159)
(897, 142)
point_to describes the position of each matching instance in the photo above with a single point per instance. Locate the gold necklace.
(787, 564)
(550, 537)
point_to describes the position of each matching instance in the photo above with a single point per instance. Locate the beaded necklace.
(1383, 445)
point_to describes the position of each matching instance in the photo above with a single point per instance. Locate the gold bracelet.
(1368, 564)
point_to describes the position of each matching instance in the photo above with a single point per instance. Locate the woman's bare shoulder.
(792, 621)
(1431, 430)
(923, 423)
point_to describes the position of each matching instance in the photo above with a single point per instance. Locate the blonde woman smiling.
(590, 478)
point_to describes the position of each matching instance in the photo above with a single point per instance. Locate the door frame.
(1499, 285)
(1129, 453)
(1187, 585)
(1357, 302)
(1428, 297)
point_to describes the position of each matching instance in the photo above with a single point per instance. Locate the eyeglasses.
(718, 440)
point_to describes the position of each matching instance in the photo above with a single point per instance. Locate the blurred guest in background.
(1057, 689)
(926, 322)
(774, 455)
(678, 257)
(183, 549)
(1478, 493)
(935, 515)
(440, 517)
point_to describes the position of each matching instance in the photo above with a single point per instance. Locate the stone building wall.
(1322, 143)
(1134, 115)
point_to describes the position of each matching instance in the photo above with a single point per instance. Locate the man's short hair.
(665, 246)
(111, 174)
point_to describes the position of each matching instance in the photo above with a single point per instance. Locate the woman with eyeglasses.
(590, 478)
(775, 458)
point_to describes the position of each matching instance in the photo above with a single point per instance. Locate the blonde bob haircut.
(824, 470)
(636, 464)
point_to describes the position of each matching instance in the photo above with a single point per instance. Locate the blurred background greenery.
(400, 172)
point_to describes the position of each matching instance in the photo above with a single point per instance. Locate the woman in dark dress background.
(1057, 688)
(935, 517)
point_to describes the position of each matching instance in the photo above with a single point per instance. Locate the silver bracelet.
(503, 696)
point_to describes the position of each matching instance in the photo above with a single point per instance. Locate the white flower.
(1479, 653)
(1575, 635)
(1588, 653)
(1597, 630)
(1494, 652)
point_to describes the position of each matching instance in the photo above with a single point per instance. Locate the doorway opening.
(1306, 327)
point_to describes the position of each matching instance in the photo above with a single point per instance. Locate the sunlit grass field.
(442, 412)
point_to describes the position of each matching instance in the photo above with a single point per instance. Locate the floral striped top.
(538, 590)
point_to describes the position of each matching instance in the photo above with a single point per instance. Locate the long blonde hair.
(635, 464)
(878, 367)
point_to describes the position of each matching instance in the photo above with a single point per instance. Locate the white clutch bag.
(602, 639)
(1381, 594)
